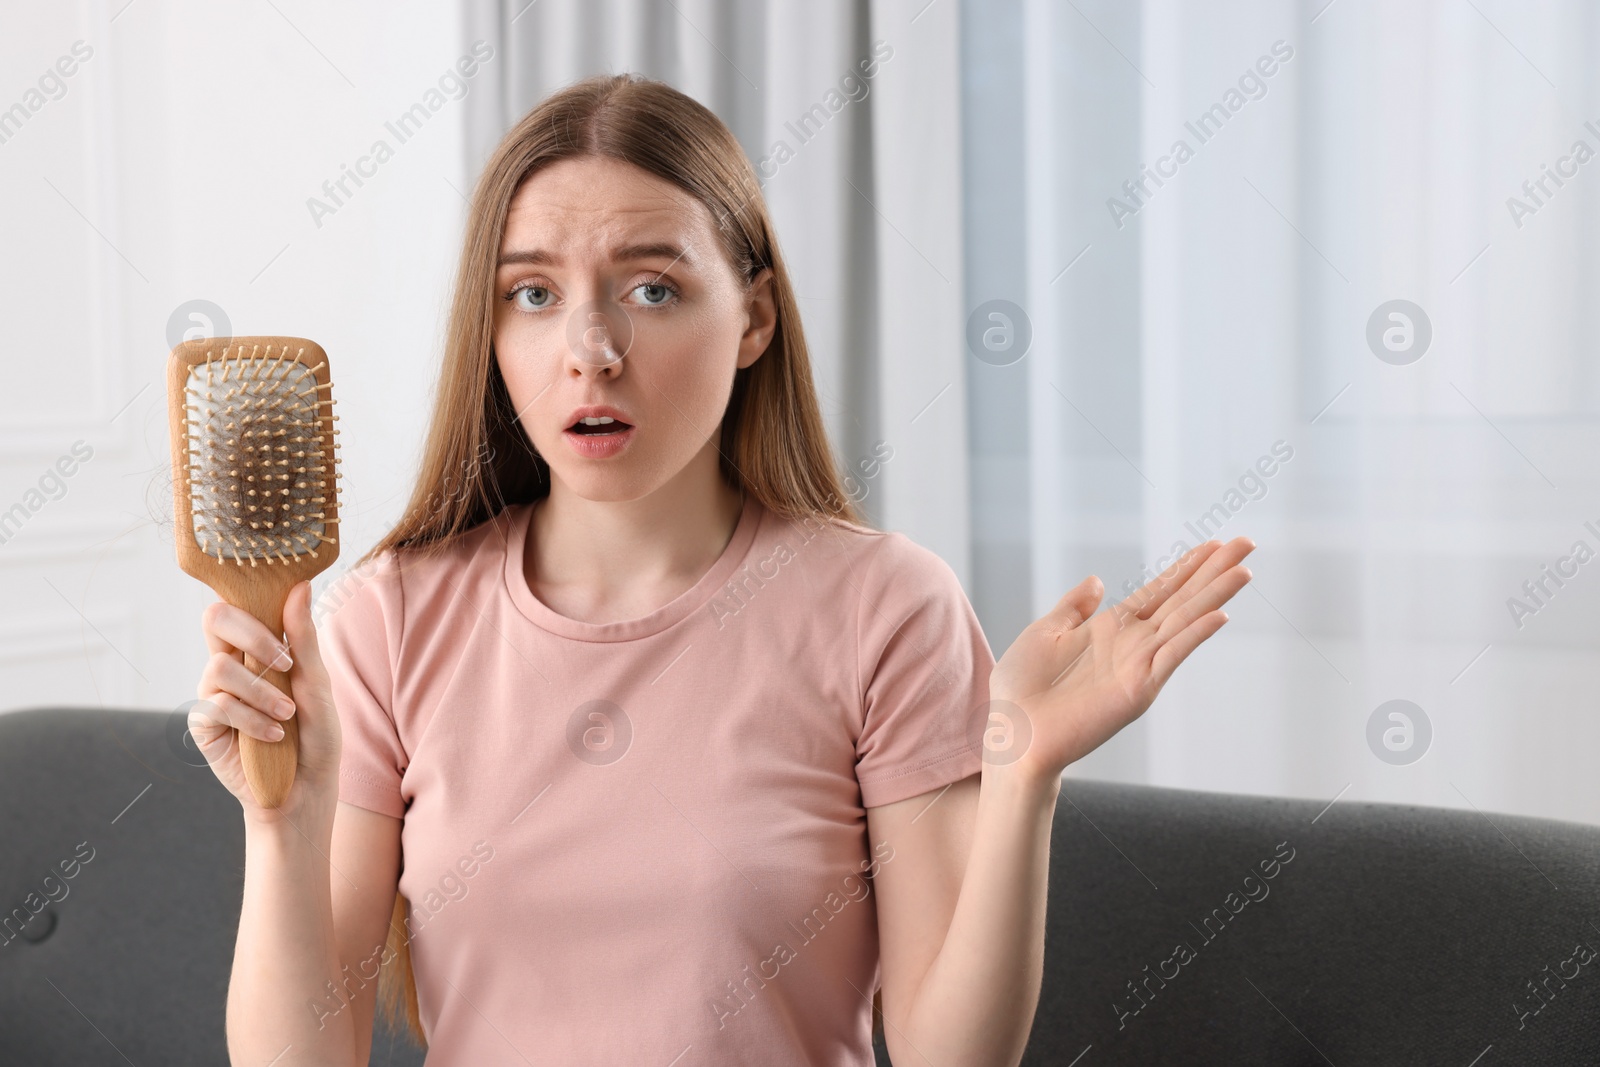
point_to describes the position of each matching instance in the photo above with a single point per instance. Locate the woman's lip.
(598, 446)
(598, 411)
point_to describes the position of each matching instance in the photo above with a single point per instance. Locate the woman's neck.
(607, 561)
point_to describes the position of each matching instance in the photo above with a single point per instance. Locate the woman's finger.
(241, 716)
(1076, 604)
(1175, 651)
(1215, 564)
(233, 629)
(208, 617)
(1148, 598)
(301, 630)
(227, 675)
(1218, 592)
(208, 725)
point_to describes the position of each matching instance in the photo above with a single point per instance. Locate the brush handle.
(269, 766)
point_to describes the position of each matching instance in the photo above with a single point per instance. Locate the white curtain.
(862, 175)
(1199, 361)
(1215, 317)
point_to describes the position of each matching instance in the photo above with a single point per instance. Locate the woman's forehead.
(601, 200)
(593, 230)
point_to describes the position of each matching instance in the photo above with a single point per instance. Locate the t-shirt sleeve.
(925, 667)
(359, 635)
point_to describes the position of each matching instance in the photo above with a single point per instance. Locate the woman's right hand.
(232, 698)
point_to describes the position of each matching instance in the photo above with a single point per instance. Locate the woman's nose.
(599, 335)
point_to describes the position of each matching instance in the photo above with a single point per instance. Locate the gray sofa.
(1362, 934)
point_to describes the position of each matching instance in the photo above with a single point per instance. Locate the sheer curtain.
(1336, 320)
(1348, 317)
(849, 111)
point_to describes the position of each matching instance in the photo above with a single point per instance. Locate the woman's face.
(617, 301)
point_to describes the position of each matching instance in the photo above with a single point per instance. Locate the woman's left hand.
(1078, 677)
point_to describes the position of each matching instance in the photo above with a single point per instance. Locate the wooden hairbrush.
(255, 493)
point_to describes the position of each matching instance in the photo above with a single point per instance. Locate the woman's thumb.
(1078, 603)
(299, 628)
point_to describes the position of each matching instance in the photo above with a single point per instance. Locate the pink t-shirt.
(646, 841)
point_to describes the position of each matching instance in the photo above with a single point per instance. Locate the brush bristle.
(262, 468)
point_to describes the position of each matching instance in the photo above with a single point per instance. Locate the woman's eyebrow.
(658, 249)
(534, 256)
(653, 250)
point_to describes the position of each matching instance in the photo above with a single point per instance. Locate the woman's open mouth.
(598, 437)
(598, 427)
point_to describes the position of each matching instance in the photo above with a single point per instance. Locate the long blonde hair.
(476, 460)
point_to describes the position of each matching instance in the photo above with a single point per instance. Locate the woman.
(667, 755)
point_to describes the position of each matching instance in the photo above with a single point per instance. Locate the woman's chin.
(632, 473)
(603, 483)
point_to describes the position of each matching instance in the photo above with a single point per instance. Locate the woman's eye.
(532, 297)
(653, 293)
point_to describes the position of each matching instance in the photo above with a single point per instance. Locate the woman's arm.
(961, 918)
(320, 875)
(961, 907)
(366, 847)
(318, 893)
(285, 948)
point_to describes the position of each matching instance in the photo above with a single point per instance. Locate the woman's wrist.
(1022, 783)
(308, 816)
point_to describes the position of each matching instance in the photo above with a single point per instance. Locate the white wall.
(177, 166)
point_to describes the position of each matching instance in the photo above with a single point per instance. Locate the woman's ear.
(762, 310)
